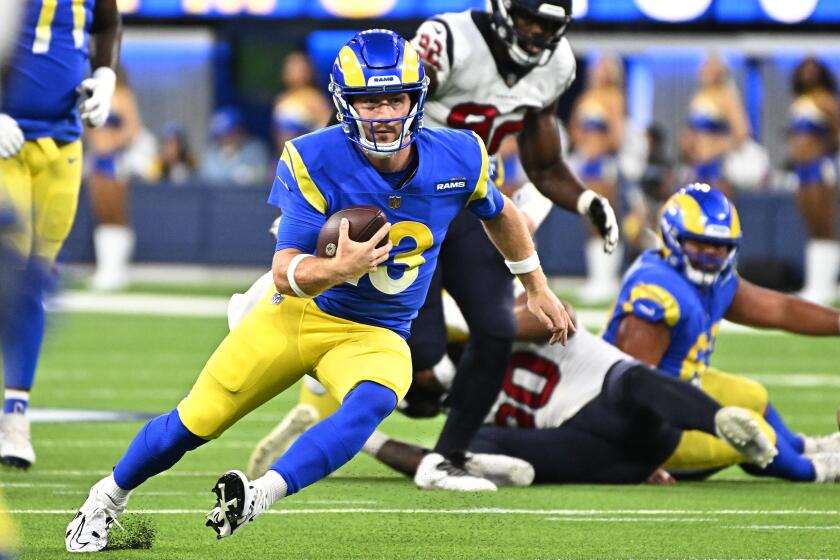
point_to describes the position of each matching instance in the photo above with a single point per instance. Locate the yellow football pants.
(42, 185)
(278, 343)
(701, 451)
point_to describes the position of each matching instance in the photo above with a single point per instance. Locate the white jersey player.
(502, 72)
(584, 412)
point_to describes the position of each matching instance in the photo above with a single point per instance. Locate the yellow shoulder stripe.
(480, 190)
(656, 294)
(308, 188)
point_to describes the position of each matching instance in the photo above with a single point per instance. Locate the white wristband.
(584, 201)
(290, 275)
(524, 266)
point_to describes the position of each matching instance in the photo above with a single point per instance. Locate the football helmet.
(378, 61)
(701, 213)
(552, 15)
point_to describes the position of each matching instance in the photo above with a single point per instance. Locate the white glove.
(96, 93)
(600, 213)
(11, 137)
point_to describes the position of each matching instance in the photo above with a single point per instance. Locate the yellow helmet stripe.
(692, 214)
(735, 226)
(410, 65)
(308, 188)
(349, 64)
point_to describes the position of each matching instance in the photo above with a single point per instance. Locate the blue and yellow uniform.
(655, 292)
(664, 287)
(705, 117)
(352, 332)
(807, 118)
(49, 62)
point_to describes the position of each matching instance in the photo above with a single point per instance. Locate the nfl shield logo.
(276, 298)
(394, 201)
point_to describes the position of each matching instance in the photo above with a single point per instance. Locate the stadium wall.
(218, 225)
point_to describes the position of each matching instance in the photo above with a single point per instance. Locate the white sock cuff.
(110, 486)
(17, 395)
(274, 485)
(374, 443)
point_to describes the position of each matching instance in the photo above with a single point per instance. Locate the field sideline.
(145, 363)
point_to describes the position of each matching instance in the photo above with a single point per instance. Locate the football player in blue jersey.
(47, 94)
(668, 314)
(344, 319)
(498, 72)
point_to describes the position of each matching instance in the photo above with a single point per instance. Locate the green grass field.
(147, 363)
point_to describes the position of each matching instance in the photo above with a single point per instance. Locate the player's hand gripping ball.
(364, 222)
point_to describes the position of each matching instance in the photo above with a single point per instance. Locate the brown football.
(364, 222)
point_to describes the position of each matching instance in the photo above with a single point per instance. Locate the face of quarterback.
(708, 257)
(387, 107)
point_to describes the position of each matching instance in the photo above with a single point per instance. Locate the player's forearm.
(312, 275)
(804, 317)
(509, 233)
(106, 34)
(558, 184)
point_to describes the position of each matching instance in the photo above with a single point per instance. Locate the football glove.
(11, 137)
(96, 93)
(600, 213)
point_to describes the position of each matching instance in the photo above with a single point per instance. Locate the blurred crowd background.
(666, 92)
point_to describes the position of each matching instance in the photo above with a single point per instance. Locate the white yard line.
(576, 513)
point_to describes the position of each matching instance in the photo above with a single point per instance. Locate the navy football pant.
(620, 437)
(474, 273)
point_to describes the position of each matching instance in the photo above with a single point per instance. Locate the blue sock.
(781, 429)
(788, 464)
(329, 444)
(157, 447)
(25, 331)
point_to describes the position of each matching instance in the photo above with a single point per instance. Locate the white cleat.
(437, 473)
(826, 467)
(739, 429)
(501, 470)
(272, 446)
(88, 531)
(238, 502)
(815, 445)
(15, 443)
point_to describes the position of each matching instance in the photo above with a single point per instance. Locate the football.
(364, 222)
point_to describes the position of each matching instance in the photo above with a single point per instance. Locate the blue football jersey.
(50, 60)
(655, 292)
(323, 172)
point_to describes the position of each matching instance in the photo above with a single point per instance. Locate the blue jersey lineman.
(45, 98)
(342, 319)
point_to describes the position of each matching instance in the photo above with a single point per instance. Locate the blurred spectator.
(175, 162)
(717, 124)
(656, 182)
(597, 129)
(655, 186)
(120, 150)
(233, 157)
(301, 107)
(812, 146)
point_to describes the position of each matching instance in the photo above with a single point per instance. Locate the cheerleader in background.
(812, 147)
